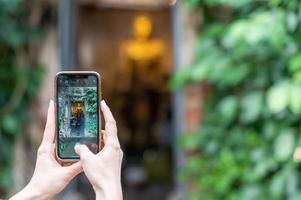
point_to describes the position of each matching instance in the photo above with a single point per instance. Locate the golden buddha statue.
(144, 98)
(141, 56)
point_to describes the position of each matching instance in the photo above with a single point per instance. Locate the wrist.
(30, 193)
(111, 191)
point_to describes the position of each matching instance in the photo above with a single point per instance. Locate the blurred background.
(206, 93)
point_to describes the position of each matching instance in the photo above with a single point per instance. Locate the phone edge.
(55, 108)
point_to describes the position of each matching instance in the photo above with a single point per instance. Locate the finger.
(110, 125)
(49, 131)
(74, 168)
(46, 149)
(103, 139)
(83, 152)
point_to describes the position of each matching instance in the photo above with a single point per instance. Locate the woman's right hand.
(104, 169)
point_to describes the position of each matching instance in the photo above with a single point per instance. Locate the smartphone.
(77, 112)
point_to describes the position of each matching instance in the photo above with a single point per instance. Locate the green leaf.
(278, 97)
(251, 192)
(11, 124)
(270, 130)
(199, 72)
(180, 78)
(295, 63)
(295, 98)
(235, 74)
(284, 145)
(251, 107)
(277, 186)
(297, 77)
(263, 167)
(292, 182)
(292, 21)
(228, 107)
(190, 141)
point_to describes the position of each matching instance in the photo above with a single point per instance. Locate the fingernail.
(75, 147)
(51, 102)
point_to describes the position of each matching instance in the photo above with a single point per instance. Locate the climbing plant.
(248, 53)
(91, 98)
(20, 78)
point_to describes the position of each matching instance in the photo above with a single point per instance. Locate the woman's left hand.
(49, 177)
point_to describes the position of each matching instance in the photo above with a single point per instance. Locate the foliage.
(91, 99)
(248, 51)
(61, 112)
(19, 80)
(92, 125)
(63, 146)
(92, 109)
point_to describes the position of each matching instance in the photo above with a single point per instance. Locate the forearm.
(30, 193)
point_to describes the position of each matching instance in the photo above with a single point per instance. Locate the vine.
(248, 52)
(20, 78)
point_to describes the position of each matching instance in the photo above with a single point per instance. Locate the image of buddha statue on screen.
(77, 118)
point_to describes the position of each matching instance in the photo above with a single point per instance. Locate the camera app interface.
(77, 113)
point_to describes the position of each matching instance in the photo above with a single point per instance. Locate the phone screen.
(77, 113)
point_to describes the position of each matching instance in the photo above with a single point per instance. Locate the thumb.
(74, 169)
(83, 152)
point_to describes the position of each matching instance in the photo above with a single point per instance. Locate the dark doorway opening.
(77, 121)
(135, 62)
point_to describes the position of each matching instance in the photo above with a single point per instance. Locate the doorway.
(77, 120)
(132, 50)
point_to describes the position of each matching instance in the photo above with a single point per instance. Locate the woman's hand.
(49, 176)
(104, 169)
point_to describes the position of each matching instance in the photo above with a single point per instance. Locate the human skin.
(49, 177)
(103, 169)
